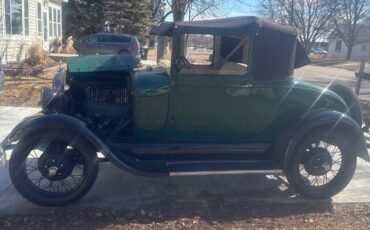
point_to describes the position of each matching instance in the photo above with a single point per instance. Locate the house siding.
(357, 52)
(2, 19)
(13, 48)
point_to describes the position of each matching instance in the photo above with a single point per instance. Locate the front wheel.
(53, 168)
(322, 164)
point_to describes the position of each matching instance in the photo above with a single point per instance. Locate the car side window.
(115, 38)
(124, 39)
(215, 54)
(199, 49)
(91, 39)
(107, 38)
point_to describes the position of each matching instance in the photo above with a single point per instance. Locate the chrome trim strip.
(231, 172)
(214, 161)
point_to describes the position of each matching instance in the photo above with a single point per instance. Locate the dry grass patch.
(24, 90)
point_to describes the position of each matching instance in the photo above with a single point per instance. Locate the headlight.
(58, 81)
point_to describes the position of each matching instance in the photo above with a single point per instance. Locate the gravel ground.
(216, 214)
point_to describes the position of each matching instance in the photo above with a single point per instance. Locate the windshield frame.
(166, 63)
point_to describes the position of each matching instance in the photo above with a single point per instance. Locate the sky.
(229, 9)
(249, 8)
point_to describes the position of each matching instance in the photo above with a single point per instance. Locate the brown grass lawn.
(24, 90)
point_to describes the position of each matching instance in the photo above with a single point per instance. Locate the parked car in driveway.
(239, 111)
(108, 43)
(319, 51)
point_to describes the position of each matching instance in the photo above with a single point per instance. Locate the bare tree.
(312, 18)
(180, 8)
(157, 9)
(351, 19)
(191, 9)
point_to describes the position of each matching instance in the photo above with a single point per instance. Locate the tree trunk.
(178, 7)
(349, 51)
(178, 16)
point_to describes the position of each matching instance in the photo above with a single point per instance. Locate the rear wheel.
(53, 169)
(322, 165)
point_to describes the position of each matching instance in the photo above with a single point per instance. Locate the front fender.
(335, 122)
(60, 122)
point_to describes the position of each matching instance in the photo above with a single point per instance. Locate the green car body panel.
(151, 94)
(191, 108)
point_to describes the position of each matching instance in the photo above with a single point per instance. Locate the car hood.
(101, 63)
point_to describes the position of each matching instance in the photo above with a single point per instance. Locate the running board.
(199, 149)
(222, 168)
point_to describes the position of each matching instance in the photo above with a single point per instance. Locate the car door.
(209, 97)
(107, 44)
(113, 43)
(89, 45)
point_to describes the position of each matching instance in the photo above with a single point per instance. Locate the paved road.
(117, 189)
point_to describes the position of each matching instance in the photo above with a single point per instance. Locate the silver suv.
(108, 43)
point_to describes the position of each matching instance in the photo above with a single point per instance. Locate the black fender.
(335, 122)
(58, 122)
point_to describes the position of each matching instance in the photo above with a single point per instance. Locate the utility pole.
(359, 76)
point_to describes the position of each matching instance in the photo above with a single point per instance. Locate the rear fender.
(60, 122)
(335, 122)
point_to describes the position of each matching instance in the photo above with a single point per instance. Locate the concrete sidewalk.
(116, 189)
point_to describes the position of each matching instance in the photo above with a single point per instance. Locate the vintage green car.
(223, 100)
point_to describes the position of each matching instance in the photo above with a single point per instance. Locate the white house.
(25, 22)
(361, 49)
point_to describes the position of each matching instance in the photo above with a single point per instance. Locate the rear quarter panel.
(277, 105)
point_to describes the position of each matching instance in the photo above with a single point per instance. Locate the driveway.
(116, 189)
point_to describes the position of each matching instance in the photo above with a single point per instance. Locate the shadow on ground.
(122, 199)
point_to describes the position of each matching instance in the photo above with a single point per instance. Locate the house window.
(55, 22)
(39, 19)
(13, 17)
(59, 24)
(55, 29)
(45, 25)
(26, 19)
(338, 46)
(51, 22)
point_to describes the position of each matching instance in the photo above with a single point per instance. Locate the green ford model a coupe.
(224, 101)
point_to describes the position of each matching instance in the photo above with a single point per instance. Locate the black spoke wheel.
(321, 165)
(53, 168)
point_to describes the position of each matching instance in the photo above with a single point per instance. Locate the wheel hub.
(319, 162)
(53, 171)
(55, 167)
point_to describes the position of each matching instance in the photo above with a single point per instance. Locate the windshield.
(160, 52)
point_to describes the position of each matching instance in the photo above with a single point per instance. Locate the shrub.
(68, 48)
(35, 55)
(56, 45)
